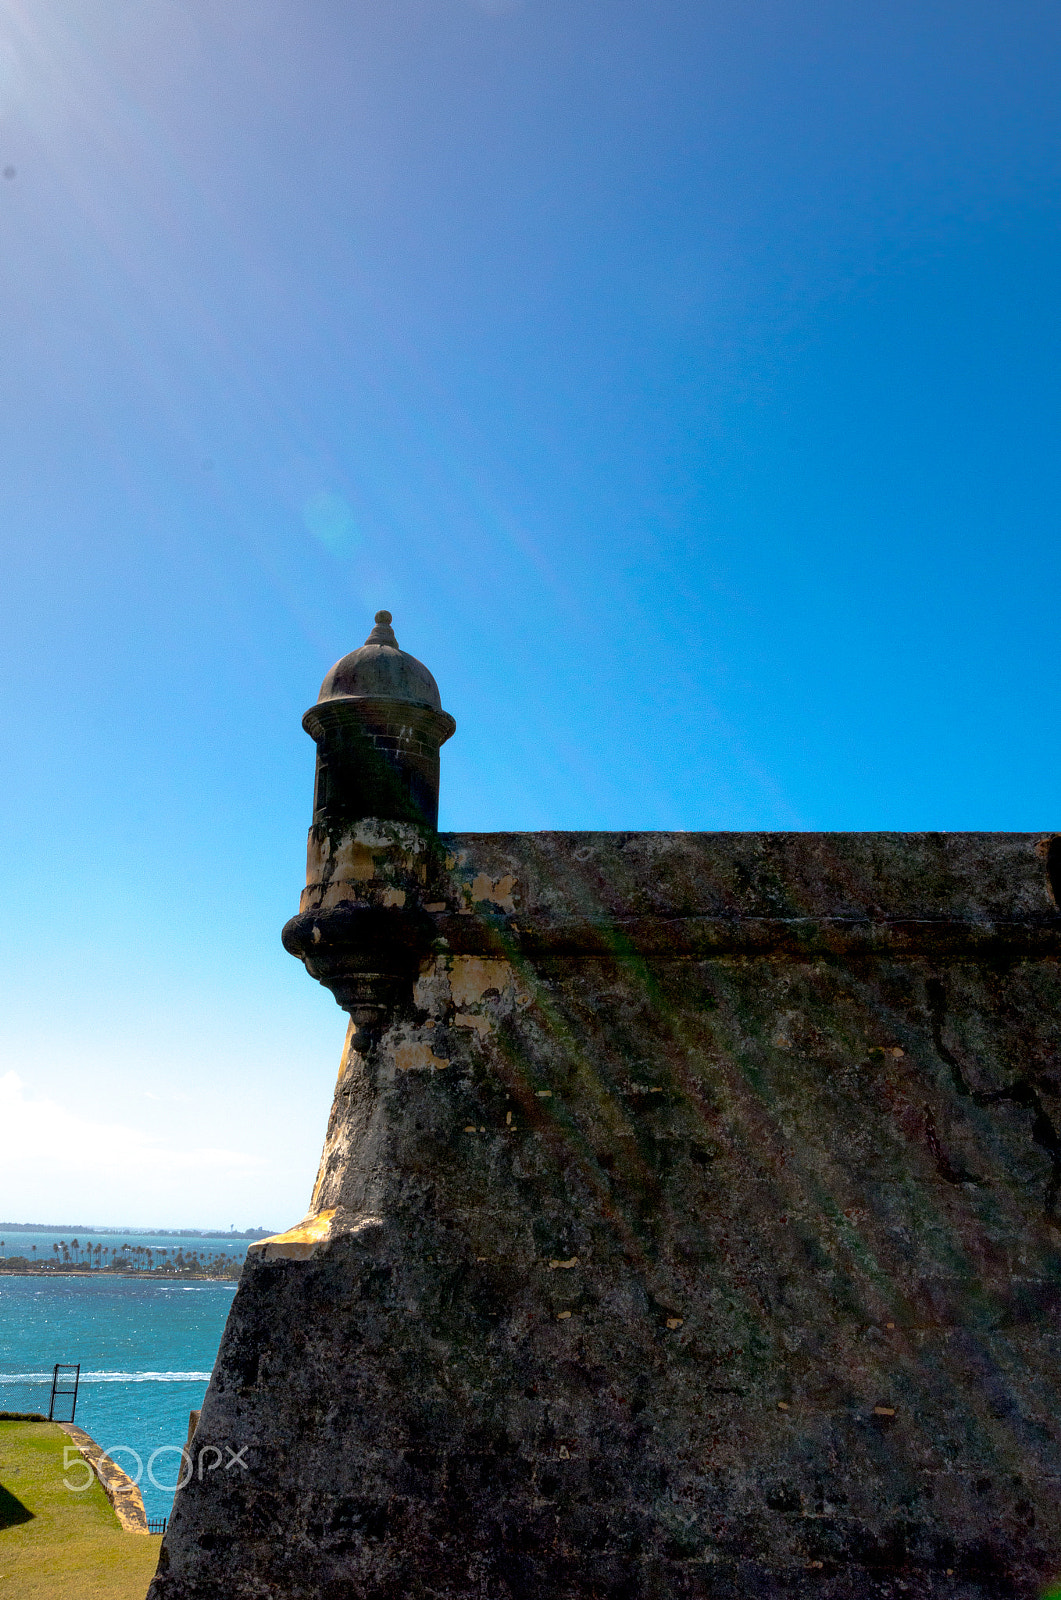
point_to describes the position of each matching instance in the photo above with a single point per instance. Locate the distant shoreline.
(147, 1233)
(42, 1270)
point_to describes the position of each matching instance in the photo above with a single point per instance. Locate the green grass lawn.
(55, 1545)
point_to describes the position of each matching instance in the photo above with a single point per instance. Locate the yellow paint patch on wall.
(354, 860)
(472, 976)
(499, 893)
(393, 897)
(473, 1019)
(348, 1051)
(298, 1243)
(415, 1056)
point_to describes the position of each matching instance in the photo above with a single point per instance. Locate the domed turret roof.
(380, 671)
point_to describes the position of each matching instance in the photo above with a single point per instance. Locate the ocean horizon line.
(155, 1233)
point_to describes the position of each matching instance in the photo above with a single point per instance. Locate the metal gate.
(61, 1389)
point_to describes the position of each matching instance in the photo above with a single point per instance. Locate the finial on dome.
(383, 633)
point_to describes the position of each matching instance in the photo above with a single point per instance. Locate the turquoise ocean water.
(146, 1351)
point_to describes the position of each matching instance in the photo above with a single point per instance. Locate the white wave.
(111, 1377)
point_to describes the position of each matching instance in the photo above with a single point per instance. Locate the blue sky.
(683, 377)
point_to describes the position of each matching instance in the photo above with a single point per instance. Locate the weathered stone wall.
(689, 1229)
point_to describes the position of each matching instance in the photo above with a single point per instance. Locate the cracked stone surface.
(688, 1228)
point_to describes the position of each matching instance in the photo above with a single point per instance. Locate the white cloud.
(57, 1163)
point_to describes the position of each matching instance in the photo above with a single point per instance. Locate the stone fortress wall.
(687, 1225)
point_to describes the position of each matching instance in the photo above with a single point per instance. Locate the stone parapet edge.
(121, 1491)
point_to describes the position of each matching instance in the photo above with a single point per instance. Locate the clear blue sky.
(684, 378)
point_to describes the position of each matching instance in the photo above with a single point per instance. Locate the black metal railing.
(60, 1376)
(157, 1524)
